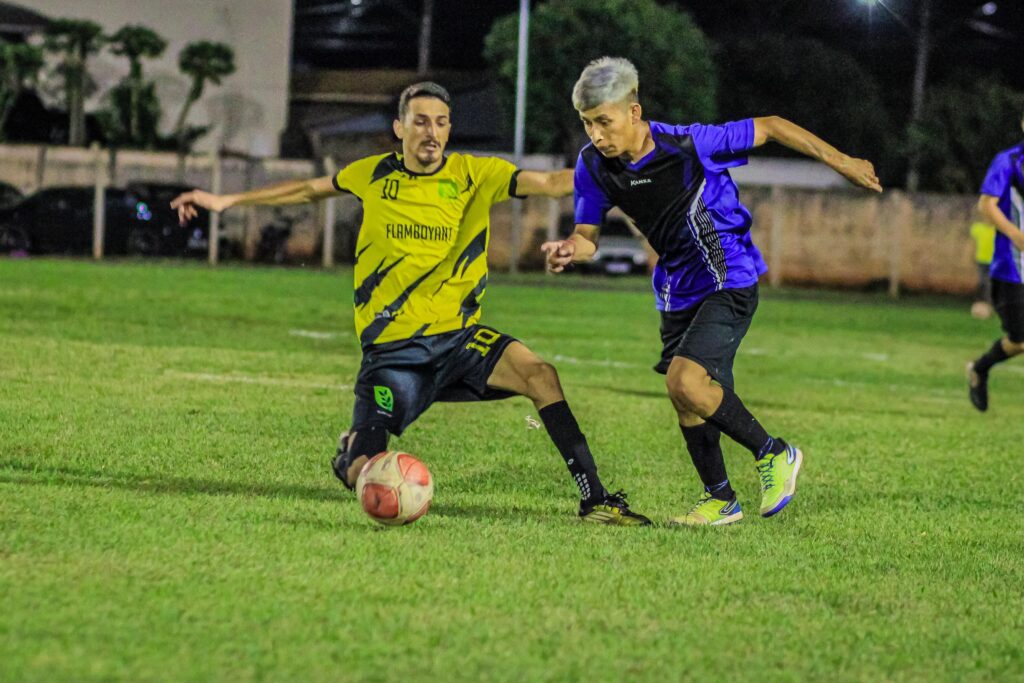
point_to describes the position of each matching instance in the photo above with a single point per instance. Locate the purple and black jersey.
(1005, 180)
(683, 200)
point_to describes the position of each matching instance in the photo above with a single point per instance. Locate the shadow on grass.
(485, 512)
(641, 393)
(68, 476)
(20, 473)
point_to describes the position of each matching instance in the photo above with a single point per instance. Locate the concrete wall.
(249, 110)
(843, 238)
(830, 237)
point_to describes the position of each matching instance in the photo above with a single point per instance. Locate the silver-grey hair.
(608, 79)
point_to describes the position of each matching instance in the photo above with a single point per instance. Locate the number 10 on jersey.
(482, 340)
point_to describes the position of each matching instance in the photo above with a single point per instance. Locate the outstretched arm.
(777, 129)
(281, 194)
(549, 184)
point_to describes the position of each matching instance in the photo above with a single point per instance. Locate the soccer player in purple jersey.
(1002, 204)
(674, 182)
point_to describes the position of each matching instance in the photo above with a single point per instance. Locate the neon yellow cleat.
(778, 479)
(710, 511)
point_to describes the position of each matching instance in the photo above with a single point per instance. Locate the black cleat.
(977, 388)
(612, 509)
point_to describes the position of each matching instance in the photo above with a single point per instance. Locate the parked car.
(139, 221)
(59, 220)
(169, 238)
(9, 195)
(620, 251)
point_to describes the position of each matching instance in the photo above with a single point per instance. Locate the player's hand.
(559, 254)
(185, 204)
(860, 172)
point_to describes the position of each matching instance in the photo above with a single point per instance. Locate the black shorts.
(709, 333)
(399, 380)
(1008, 300)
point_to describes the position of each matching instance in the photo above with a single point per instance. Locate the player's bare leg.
(521, 371)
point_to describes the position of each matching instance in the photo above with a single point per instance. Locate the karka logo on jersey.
(641, 181)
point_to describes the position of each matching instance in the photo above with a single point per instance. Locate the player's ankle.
(773, 446)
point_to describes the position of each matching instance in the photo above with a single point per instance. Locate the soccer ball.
(395, 488)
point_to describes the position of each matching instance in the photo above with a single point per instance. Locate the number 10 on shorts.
(483, 340)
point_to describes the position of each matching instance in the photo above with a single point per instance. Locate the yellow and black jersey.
(421, 256)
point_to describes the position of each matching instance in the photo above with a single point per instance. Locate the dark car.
(9, 195)
(167, 236)
(619, 252)
(60, 220)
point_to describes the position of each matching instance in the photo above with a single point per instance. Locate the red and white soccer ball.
(395, 488)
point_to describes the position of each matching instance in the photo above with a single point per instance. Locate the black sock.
(704, 444)
(368, 441)
(570, 442)
(733, 418)
(990, 358)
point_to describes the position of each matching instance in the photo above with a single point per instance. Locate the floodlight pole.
(426, 28)
(924, 46)
(520, 126)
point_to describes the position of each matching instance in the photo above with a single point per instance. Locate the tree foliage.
(19, 69)
(813, 85)
(964, 124)
(677, 76)
(126, 106)
(74, 40)
(137, 43)
(203, 62)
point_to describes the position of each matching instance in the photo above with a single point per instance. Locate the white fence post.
(330, 207)
(554, 217)
(894, 240)
(214, 236)
(99, 202)
(517, 235)
(778, 236)
(40, 167)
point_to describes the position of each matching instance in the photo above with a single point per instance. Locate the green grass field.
(167, 511)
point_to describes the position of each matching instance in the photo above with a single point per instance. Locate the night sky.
(383, 33)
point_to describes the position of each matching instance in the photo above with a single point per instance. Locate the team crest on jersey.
(447, 188)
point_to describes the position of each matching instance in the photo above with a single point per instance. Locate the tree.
(74, 40)
(833, 97)
(962, 126)
(136, 43)
(202, 61)
(677, 76)
(19, 69)
(122, 103)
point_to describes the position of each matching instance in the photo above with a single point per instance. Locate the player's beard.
(429, 152)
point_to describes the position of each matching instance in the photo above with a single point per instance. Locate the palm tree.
(19, 67)
(74, 40)
(136, 43)
(203, 61)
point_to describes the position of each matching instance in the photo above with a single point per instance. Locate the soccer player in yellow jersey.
(420, 272)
